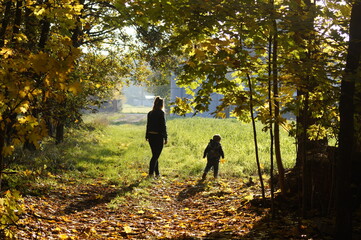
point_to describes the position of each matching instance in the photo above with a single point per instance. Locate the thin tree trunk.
(255, 136)
(281, 170)
(271, 127)
(5, 22)
(2, 144)
(59, 137)
(17, 20)
(346, 135)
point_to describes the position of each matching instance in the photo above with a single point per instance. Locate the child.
(213, 152)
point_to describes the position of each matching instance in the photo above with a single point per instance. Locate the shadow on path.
(96, 195)
(191, 190)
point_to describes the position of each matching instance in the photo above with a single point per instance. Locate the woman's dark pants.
(156, 145)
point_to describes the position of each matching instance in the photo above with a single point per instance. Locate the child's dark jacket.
(213, 150)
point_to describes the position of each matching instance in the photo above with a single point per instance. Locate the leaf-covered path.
(153, 209)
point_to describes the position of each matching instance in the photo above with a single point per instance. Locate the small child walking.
(213, 152)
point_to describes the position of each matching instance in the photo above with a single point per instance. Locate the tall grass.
(188, 137)
(122, 153)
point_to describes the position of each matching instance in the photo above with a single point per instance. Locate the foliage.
(220, 42)
(56, 58)
(11, 207)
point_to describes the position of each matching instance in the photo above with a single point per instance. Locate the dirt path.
(166, 209)
(131, 118)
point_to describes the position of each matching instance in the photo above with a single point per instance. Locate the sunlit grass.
(118, 154)
(122, 154)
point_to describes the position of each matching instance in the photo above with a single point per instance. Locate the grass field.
(117, 152)
(121, 152)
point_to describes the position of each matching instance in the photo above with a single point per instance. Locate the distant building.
(137, 96)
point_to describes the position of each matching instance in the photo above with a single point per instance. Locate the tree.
(347, 127)
(41, 59)
(29, 72)
(216, 39)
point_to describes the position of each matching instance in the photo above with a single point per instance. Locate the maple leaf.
(127, 229)
(7, 150)
(75, 88)
(63, 236)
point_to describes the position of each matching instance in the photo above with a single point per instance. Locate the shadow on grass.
(97, 154)
(118, 123)
(94, 196)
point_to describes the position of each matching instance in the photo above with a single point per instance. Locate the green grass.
(122, 154)
(119, 154)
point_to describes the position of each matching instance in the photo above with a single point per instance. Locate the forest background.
(266, 58)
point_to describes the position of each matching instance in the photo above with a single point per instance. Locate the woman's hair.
(158, 103)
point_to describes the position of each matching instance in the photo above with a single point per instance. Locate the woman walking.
(156, 134)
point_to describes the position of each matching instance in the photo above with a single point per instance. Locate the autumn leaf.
(63, 236)
(8, 150)
(127, 229)
(75, 88)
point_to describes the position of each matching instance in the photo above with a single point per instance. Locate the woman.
(156, 134)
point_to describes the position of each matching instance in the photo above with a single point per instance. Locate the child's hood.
(214, 144)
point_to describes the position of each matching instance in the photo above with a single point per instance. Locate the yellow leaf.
(249, 197)
(7, 150)
(99, 196)
(56, 230)
(140, 211)
(223, 160)
(127, 229)
(6, 52)
(144, 174)
(62, 86)
(63, 236)
(22, 94)
(75, 88)
(23, 108)
(166, 197)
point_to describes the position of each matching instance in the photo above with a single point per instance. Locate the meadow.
(106, 147)
(119, 152)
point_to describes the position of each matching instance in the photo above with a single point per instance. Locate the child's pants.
(212, 163)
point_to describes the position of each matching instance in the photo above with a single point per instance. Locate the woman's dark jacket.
(156, 123)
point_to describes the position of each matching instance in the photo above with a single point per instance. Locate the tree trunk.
(271, 125)
(307, 150)
(346, 135)
(59, 137)
(255, 137)
(17, 21)
(5, 22)
(281, 170)
(31, 25)
(2, 144)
